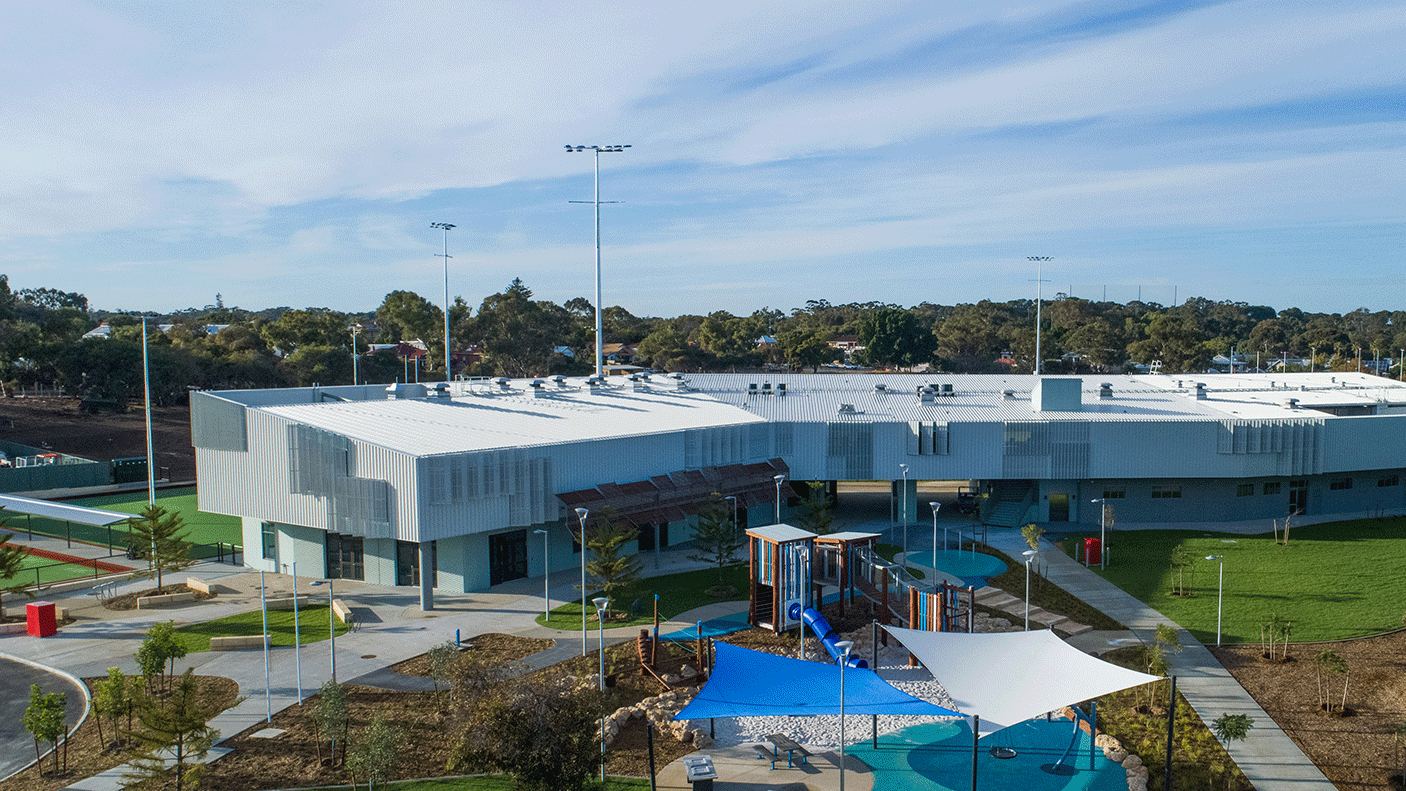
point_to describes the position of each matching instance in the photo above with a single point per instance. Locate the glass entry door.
(507, 557)
(1059, 507)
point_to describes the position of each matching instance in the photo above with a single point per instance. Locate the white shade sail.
(1009, 677)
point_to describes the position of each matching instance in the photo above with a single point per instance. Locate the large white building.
(377, 483)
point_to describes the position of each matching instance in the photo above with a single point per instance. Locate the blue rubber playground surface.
(937, 757)
(974, 568)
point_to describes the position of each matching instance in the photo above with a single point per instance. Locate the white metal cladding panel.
(472, 492)
(1162, 449)
(1364, 443)
(256, 483)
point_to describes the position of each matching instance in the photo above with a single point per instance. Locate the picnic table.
(781, 741)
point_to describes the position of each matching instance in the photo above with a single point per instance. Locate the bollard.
(456, 638)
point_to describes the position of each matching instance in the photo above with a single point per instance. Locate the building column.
(427, 574)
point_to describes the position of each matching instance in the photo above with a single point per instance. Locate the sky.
(157, 154)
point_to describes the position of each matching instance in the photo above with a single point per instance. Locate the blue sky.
(295, 154)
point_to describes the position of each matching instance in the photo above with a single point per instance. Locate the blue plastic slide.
(828, 637)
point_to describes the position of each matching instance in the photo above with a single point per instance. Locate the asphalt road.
(16, 744)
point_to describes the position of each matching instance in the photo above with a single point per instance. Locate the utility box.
(1093, 552)
(41, 619)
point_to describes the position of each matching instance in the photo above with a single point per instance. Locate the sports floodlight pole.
(600, 370)
(446, 227)
(546, 573)
(1039, 275)
(778, 479)
(1220, 593)
(581, 514)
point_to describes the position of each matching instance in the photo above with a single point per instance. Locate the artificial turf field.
(203, 529)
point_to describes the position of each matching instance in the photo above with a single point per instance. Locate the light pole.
(150, 455)
(546, 572)
(903, 507)
(1039, 281)
(1312, 358)
(582, 513)
(935, 508)
(1102, 532)
(598, 151)
(601, 602)
(1030, 555)
(778, 479)
(844, 646)
(354, 329)
(1220, 593)
(297, 635)
(331, 622)
(446, 227)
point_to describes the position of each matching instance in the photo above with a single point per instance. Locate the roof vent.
(781, 389)
(502, 382)
(848, 409)
(925, 395)
(1291, 403)
(1105, 390)
(1200, 391)
(441, 390)
(560, 380)
(538, 383)
(594, 381)
(766, 388)
(1271, 384)
(752, 389)
(881, 388)
(1009, 395)
(947, 390)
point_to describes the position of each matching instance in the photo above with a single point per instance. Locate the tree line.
(513, 334)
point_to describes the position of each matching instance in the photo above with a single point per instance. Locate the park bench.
(199, 585)
(765, 754)
(343, 611)
(235, 642)
(147, 602)
(780, 741)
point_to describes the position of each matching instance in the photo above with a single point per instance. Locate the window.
(1390, 480)
(1244, 489)
(1272, 488)
(1114, 494)
(1339, 484)
(270, 540)
(1166, 493)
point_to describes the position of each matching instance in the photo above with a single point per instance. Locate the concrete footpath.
(1268, 757)
(390, 628)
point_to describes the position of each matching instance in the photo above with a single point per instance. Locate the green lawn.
(677, 593)
(312, 623)
(1333, 581)
(503, 783)
(202, 528)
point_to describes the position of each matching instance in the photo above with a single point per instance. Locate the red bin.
(1093, 552)
(40, 619)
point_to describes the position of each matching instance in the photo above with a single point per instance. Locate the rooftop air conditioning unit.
(781, 389)
(848, 409)
(1105, 390)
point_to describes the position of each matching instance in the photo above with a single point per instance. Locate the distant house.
(622, 353)
(845, 343)
(102, 331)
(765, 341)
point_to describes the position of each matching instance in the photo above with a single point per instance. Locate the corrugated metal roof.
(981, 398)
(426, 427)
(780, 533)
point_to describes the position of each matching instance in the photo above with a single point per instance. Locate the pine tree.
(615, 570)
(173, 729)
(715, 538)
(158, 534)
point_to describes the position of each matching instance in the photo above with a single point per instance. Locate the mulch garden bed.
(1356, 751)
(492, 648)
(87, 755)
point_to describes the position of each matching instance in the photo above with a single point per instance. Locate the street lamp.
(778, 479)
(601, 602)
(844, 647)
(355, 328)
(1102, 533)
(1030, 554)
(1039, 275)
(903, 507)
(582, 512)
(446, 227)
(597, 201)
(935, 508)
(546, 572)
(1220, 593)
